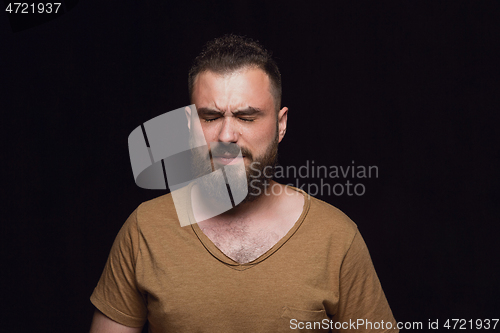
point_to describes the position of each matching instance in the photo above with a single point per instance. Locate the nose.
(228, 131)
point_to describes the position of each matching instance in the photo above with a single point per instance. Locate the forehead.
(242, 88)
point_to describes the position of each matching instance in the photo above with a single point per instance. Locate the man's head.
(236, 105)
(231, 53)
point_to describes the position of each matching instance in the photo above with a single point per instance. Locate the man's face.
(238, 108)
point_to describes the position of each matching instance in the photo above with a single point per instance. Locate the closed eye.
(247, 119)
(209, 120)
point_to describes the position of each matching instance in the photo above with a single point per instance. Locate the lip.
(228, 160)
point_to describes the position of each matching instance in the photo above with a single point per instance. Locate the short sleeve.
(117, 294)
(361, 298)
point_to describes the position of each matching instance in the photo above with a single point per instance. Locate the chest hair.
(239, 243)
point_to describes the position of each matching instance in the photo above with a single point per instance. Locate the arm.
(102, 324)
(117, 295)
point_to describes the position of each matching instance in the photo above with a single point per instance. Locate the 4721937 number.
(463, 324)
(32, 8)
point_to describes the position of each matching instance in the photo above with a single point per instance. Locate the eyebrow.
(249, 111)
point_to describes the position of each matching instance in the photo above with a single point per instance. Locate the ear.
(282, 119)
(188, 116)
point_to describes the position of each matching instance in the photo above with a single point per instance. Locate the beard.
(246, 184)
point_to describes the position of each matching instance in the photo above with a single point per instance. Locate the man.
(279, 261)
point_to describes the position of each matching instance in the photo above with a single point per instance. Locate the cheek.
(210, 131)
(269, 132)
(261, 139)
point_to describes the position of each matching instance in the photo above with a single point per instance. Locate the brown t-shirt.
(318, 277)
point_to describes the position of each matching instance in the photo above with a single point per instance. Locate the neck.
(205, 209)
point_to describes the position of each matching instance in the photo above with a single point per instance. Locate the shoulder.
(331, 217)
(158, 205)
(330, 214)
(162, 210)
(326, 219)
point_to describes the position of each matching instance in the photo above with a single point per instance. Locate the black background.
(412, 87)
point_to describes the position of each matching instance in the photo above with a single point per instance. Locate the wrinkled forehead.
(230, 91)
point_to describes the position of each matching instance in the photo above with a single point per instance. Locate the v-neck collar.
(219, 255)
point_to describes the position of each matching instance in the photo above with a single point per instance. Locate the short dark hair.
(229, 53)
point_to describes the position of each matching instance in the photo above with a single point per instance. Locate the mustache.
(229, 149)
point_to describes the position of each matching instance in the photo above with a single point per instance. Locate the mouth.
(228, 159)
